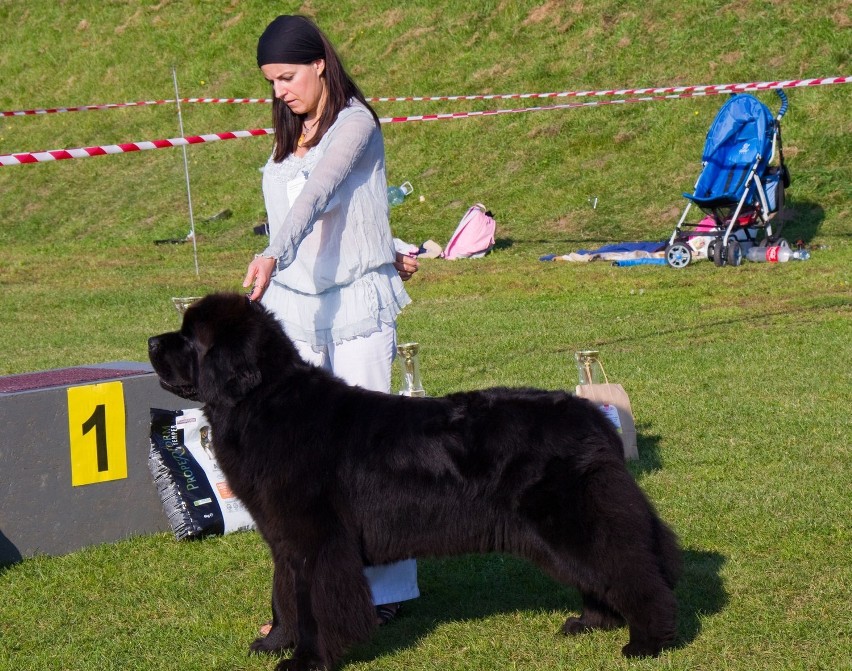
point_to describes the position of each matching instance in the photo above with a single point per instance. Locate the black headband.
(289, 39)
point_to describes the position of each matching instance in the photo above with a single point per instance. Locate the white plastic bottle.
(776, 254)
(397, 194)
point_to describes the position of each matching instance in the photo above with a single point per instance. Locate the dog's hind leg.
(643, 592)
(609, 543)
(651, 614)
(627, 588)
(629, 577)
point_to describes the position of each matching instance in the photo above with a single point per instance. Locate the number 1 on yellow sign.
(96, 426)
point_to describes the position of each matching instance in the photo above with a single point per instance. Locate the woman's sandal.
(387, 612)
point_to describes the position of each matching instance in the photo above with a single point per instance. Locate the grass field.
(739, 377)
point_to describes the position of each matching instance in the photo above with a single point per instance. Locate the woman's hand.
(259, 273)
(405, 265)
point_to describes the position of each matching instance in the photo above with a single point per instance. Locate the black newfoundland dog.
(337, 477)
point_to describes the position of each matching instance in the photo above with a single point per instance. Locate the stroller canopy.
(741, 132)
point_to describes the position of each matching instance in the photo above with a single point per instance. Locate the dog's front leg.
(333, 605)
(307, 654)
(283, 633)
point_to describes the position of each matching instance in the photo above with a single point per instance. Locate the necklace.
(306, 130)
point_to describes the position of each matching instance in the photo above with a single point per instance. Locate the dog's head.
(217, 356)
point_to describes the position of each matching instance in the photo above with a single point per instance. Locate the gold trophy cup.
(181, 304)
(410, 364)
(589, 368)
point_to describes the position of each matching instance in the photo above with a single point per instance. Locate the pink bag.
(474, 236)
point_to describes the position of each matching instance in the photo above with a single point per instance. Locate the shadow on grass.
(481, 586)
(700, 592)
(562, 245)
(649, 453)
(801, 220)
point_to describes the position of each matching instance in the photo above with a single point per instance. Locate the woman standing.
(330, 273)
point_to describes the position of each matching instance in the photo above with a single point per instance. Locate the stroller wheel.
(678, 255)
(718, 252)
(734, 255)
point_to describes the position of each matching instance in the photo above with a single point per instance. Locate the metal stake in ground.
(186, 172)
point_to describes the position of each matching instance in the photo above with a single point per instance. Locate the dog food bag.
(195, 495)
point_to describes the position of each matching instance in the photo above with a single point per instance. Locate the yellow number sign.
(96, 424)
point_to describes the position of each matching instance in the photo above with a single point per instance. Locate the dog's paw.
(649, 646)
(586, 622)
(574, 626)
(644, 649)
(302, 663)
(270, 645)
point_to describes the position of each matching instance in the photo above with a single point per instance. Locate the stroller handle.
(784, 104)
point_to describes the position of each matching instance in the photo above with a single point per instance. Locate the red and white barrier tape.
(709, 89)
(712, 88)
(86, 152)
(140, 103)
(542, 108)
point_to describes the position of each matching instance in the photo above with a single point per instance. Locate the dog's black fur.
(338, 477)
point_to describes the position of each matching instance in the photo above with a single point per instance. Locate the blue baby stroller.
(737, 188)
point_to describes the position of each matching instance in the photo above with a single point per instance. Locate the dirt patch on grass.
(412, 37)
(234, 20)
(571, 222)
(393, 17)
(731, 57)
(842, 17)
(550, 130)
(131, 21)
(552, 12)
(549, 11)
(497, 71)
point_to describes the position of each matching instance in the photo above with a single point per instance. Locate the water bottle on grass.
(397, 194)
(777, 254)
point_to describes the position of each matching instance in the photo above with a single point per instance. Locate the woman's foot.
(265, 628)
(387, 612)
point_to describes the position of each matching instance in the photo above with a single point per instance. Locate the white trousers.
(366, 362)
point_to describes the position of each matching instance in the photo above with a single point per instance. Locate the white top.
(329, 230)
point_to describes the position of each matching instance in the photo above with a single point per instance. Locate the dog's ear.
(226, 376)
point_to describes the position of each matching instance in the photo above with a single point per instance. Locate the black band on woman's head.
(290, 39)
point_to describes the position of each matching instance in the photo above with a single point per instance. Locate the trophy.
(411, 385)
(181, 304)
(589, 368)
